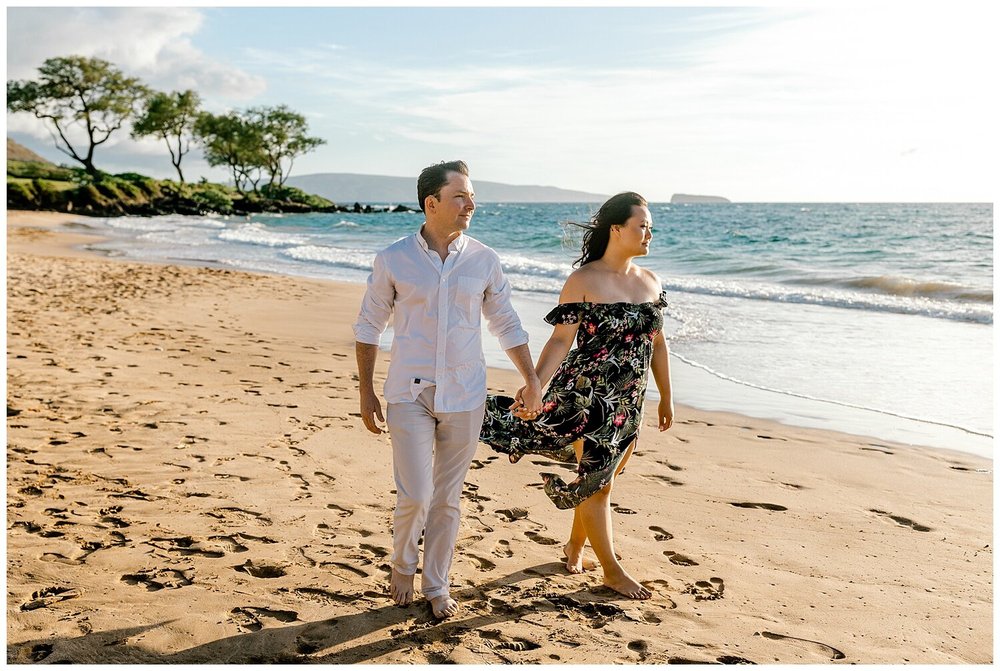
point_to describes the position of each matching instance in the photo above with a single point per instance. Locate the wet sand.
(188, 481)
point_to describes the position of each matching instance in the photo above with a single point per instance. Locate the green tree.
(283, 136)
(75, 91)
(170, 116)
(235, 142)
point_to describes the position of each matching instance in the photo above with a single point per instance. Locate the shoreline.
(188, 482)
(705, 389)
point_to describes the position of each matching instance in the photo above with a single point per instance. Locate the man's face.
(457, 202)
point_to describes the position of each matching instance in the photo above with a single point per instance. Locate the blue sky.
(868, 102)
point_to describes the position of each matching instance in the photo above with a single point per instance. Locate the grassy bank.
(39, 186)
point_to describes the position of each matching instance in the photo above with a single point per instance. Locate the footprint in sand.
(184, 545)
(230, 514)
(600, 613)
(878, 448)
(661, 534)
(641, 647)
(706, 590)
(679, 559)
(48, 596)
(621, 510)
(763, 506)
(342, 512)
(230, 543)
(266, 571)
(158, 579)
(482, 563)
(326, 596)
(513, 514)
(502, 549)
(541, 540)
(665, 479)
(901, 521)
(826, 650)
(248, 618)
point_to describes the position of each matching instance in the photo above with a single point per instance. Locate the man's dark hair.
(433, 177)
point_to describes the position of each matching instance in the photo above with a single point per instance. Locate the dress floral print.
(596, 394)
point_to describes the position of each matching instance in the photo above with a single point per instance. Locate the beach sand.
(188, 481)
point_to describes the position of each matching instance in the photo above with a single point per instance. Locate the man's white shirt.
(437, 309)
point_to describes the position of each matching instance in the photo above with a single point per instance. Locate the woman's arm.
(559, 343)
(660, 366)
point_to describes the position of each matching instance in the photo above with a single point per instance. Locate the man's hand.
(370, 409)
(528, 401)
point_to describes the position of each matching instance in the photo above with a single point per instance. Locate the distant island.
(345, 187)
(686, 198)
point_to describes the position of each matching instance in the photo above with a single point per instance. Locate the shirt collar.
(457, 245)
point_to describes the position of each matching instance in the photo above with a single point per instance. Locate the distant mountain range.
(345, 188)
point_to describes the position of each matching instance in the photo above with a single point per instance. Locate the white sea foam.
(257, 234)
(831, 297)
(346, 258)
(524, 265)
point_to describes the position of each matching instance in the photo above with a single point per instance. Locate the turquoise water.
(873, 318)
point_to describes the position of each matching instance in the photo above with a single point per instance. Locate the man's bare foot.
(574, 558)
(443, 606)
(625, 585)
(401, 588)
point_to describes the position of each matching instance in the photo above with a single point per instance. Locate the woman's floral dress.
(596, 394)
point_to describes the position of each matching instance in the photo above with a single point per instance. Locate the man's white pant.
(431, 453)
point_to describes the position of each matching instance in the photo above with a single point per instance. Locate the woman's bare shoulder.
(577, 284)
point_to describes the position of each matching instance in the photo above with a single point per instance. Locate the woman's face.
(637, 231)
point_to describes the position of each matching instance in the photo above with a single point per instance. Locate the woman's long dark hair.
(615, 212)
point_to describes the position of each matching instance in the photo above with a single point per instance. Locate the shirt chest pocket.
(467, 298)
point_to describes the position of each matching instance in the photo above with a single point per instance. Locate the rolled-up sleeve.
(376, 306)
(503, 322)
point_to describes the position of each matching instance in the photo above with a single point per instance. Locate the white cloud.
(151, 43)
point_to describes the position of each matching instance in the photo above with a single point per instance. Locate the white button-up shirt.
(436, 310)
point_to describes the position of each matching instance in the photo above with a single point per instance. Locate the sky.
(863, 102)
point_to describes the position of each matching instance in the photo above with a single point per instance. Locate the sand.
(188, 481)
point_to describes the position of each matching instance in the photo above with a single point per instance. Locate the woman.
(592, 408)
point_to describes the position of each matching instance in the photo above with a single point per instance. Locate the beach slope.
(188, 481)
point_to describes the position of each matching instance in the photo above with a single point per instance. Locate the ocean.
(873, 319)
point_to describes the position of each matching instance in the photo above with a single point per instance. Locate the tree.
(232, 141)
(75, 91)
(170, 116)
(283, 136)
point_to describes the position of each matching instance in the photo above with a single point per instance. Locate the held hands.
(527, 401)
(370, 409)
(665, 413)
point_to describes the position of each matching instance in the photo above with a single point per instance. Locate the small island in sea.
(686, 198)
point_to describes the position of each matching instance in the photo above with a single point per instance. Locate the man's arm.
(370, 406)
(376, 307)
(530, 395)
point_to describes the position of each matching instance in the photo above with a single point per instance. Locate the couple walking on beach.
(437, 284)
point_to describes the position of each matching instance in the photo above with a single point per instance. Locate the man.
(437, 284)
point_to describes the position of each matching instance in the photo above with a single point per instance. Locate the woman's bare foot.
(626, 585)
(574, 558)
(443, 606)
(401, 588)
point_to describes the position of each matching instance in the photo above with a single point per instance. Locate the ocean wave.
(162, 223)
(902, 286)
(523, 265)
(346, 258)
(256, 234)
(831, 297)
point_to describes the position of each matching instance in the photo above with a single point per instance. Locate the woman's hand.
(665, 413)
(527, 402)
